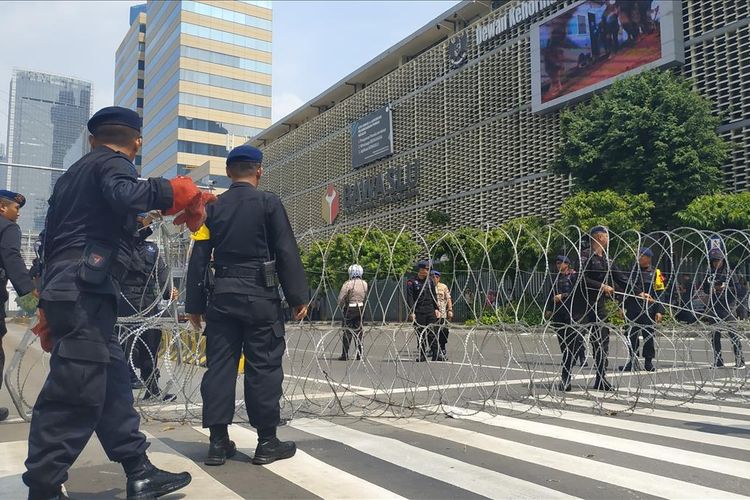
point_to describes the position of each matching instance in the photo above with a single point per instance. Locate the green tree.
(717, 212)
(619, 213)
(381, 254)
(650, 133)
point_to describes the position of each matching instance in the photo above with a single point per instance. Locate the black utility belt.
(237, 272)
(265, 271)
(96, 259)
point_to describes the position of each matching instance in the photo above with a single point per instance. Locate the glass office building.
(206, 83)
(130, 65)
(46, 117)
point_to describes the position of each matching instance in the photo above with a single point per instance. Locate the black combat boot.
(649, 365)
(270, 450)
(4, 414)
(219, 450)
(147, 482)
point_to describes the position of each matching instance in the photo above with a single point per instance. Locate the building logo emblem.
(457, 51)
(330, 204)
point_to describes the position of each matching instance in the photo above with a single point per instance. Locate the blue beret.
(598, 229)
(245, 153)
(562, 258)
(10, 195)
(115, 115)
(646, 251)
(715, 254)
(435, 273)
(423, 264)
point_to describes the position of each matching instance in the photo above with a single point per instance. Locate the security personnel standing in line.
(251, 239)
(146, 279)
(445, 306)
(560, 311)
(352, 297)
(642, 310)
(421, 297)
(87, 245)
(721, 287)
(13, 266)
(599, 276)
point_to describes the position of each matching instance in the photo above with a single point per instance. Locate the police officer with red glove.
(87, 245)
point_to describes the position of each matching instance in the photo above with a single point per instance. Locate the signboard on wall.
(392, 185)
(372, 137)
(587, 46)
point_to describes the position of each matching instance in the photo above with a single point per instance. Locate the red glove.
(185, 192)
(195, 213)
(42, 330)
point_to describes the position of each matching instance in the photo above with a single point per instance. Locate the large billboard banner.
(587, 46)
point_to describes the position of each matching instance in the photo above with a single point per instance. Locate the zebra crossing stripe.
(203, 484)
(709, 389)
(713, 463)
(309, 473)
(693, 418)
(466, 476)
(681, 398)
(625, 425)
(624, 477)
(12, 457)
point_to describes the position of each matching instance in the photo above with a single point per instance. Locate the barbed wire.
(501, 347)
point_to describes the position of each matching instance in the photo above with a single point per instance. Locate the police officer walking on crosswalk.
(87, 246)
(249, 234)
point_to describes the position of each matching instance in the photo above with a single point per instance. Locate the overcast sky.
(315, 44)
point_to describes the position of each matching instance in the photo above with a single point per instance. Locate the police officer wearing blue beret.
(248, 232)
(11, 262)
(87, 246)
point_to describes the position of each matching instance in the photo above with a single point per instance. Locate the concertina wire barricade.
(501, 349)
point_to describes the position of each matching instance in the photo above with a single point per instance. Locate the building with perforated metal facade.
(482, 154)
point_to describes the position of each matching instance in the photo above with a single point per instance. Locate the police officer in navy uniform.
(643, 310)
(86, 248)
(721, 287)
(421, 297)
(596, 284)
(13, 266)
(147, 278)
(248, 232)
(560, 312)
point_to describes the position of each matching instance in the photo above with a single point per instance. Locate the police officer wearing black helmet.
(12, 264)
(248, 232)
(87, 245)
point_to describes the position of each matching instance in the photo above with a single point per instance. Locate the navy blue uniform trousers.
(87, 390)
(237, 324)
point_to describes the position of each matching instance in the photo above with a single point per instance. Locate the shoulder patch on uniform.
(151, 247)
(202, 234)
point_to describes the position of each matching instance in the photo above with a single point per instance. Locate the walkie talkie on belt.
(269, 266)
